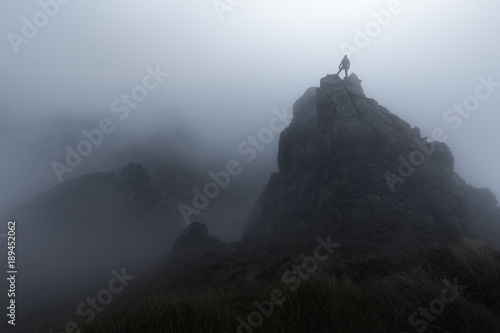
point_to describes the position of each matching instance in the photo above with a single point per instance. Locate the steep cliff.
(349, 164)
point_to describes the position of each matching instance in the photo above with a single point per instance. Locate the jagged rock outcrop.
(349, 163)
(195, 233)
(145, 200)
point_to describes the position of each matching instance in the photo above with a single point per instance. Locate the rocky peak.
(132, 176)
(350, 163)
(145, 200)
(195, 233)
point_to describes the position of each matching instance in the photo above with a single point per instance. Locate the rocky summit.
(195, 233)
(349, 164)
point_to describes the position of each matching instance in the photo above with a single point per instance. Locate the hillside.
(341, 239)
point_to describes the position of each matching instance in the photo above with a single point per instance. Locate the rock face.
(195, 233)
(145, 200)
(347, 162)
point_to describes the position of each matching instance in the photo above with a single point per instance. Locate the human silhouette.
(345, 64)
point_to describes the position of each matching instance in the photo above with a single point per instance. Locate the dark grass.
(365, 294)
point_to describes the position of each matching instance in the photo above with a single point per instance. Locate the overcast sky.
(230, 65)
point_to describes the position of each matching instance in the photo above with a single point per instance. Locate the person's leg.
(345, 72)
(340, 70)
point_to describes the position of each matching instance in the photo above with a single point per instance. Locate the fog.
(221, 71)
(226, 76)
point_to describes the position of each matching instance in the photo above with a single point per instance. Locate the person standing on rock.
(345, 64)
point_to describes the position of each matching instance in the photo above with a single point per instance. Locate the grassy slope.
(364, 294)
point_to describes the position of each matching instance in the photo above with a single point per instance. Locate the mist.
(226, 76)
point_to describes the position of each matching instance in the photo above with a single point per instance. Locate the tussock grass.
(376, 294)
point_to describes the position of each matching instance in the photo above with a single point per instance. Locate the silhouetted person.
(345, 64)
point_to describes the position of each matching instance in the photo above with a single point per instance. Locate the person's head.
(345, 57)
